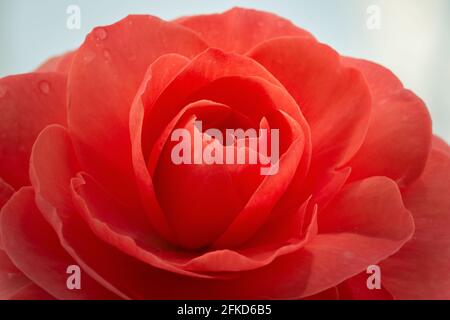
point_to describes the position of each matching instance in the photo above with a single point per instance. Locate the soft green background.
(414, 39)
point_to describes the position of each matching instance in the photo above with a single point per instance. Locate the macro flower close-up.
(219, 156)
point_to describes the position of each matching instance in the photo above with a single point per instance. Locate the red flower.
(86, 176)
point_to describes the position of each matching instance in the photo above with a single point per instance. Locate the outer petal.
(60, 64)
(355, 288)
(420, 270)
(238, 30)
(6, 191)
(31, 292)
(334, 99)
(12, 280)
(441, 145)
(105, 76)
(28, 103)
(35, 250)
(399, 137)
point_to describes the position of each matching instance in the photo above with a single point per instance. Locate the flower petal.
(104, 79)
(52, 169)
(420, 270)
(356, 288)
(60, 64)
(35, 250)
(441, 145)
(31, 292)
(28, 103)
(12, 280)
(6, 191)
(333, 98)
(158, 76)
(238, 30)
(399, 137)
(97, 208)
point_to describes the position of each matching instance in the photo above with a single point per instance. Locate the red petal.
(12, 280)
(355, 288)
(104, 79)
(207, 201)
(329, 294)
(399, 136)
(238, 30)
(108, 220)
(6, 191)
(52, 169)
(28, 103)
(220, 77)
(157, 78)
(259, 207)
(31, 292)
(51, 172)
(97, 208)
(208, 67)
(365, 223)
(330, 258)
(441, 145)
(35, 250)
(60, 64)
(256, 256)
(334, 99)
(420, 270)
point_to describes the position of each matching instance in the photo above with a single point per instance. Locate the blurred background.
(410, 37)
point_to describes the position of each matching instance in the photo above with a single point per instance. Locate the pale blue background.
(414, 39)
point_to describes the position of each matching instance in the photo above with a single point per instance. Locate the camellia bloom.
(87, 177)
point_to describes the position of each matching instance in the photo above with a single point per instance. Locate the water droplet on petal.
(100, 34)
(44, 86)
(3, 91)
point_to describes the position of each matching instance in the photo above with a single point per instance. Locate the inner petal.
(210, 195)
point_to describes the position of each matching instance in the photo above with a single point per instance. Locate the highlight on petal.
(238, 30)
(398, 140)
(420, 270)
(28, 103)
